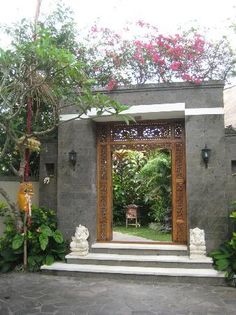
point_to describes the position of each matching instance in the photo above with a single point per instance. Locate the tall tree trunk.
(27, 150)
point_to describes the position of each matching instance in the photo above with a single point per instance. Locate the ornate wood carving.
(141, 136)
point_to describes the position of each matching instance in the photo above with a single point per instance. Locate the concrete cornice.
(163, 86)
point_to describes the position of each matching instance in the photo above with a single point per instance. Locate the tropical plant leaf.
(17, 241)
(43, 240)
(222, 264)
(49, 260)
(58, 237)
(31, 261)
(45, 229)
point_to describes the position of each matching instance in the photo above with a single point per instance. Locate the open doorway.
(142, 195)
(145, 140)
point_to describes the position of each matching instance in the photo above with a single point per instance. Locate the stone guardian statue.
(79, 245)
(197, 243)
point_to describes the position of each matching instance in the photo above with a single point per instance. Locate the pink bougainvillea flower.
(136, 56)
(186, 77)
(148, 46)
(138, 43)
(197, 81)
(161, 62)
(112, 84)
(151, 56)
(175, 65)
(156, 58)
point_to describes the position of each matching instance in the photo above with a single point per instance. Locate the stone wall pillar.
(76, 187)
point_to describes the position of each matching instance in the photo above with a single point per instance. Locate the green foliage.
(144, 232)
(45, 243)
(225, 257)
(17, 241)
(156, 181)
(144, 180)
(9, 257)
(126, 182)
(42, 68)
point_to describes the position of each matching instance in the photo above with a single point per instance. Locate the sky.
(167, 14)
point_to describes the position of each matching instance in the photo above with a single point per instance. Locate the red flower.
(197, 81)
(175, 65)
(112, 84)
(156, 58)
(186, 77)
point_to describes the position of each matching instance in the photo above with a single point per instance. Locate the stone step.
(158, 261)
(203, 276)
(139, 249)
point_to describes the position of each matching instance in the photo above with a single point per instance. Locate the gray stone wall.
(208, 94)
(206, 195)
(230, 141)
(206, 200)
(76, 195)
(48, 168)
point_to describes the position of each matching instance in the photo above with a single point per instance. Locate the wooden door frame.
(165, 134)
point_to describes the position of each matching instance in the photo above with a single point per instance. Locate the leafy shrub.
(224, 258)
(126, 182)
(156, 181)
(143, 179)
(45, 242)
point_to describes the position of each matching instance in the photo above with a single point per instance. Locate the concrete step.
(204, 276)
(139, 249)
(158, 261)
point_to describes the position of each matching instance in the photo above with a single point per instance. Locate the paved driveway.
(26, 294)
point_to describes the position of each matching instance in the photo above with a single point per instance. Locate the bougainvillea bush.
(123, 58)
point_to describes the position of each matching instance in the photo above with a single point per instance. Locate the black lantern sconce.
(72, 158)
(206, 155)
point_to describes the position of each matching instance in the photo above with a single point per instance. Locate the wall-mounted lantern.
(206, 155)
(72, 158)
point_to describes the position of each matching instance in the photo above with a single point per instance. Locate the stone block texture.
(48, 168)
(76, 186)
(230, 161)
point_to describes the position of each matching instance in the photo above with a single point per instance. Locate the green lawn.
(144, 232)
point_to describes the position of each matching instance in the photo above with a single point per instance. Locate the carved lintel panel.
(141, 136)
(178, 130)
(141, 131)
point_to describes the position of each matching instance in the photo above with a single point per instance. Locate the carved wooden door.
(145, 135)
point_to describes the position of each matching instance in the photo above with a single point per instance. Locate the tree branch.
(13, 208)
(4, 147)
